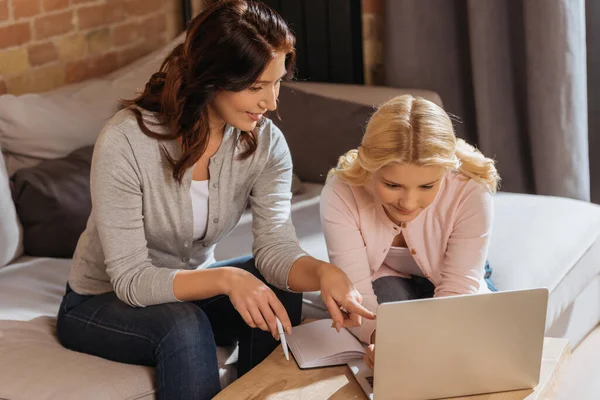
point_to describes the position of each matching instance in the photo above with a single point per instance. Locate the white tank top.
(199, 193)
(399, 259)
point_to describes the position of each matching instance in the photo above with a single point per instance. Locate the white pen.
(282, 338)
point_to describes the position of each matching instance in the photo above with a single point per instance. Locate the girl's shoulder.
(337, 187)
(459, 183)
(465, 193)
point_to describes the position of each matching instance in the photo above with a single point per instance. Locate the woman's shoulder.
(122, 137)
(269, 133)
(123, 128)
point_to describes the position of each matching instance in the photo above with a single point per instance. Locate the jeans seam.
(109, 328)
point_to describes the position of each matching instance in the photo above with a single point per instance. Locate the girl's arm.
(466, 254)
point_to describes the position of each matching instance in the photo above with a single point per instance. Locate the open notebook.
(317, 344)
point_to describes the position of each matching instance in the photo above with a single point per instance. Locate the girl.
(171, 176)
(409, 213)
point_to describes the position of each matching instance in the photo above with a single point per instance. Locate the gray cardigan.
(139, 233)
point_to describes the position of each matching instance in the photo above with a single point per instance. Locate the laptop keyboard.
(370, 380)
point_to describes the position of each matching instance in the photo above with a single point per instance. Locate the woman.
(171, 176)
(409, 213)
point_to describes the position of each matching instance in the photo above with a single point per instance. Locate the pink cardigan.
(449, 239)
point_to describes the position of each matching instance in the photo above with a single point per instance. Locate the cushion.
(545, 241)
(40, 126)
(30, 349)
(31, 290)
(305, 131)
(10, 229)
(53, 202)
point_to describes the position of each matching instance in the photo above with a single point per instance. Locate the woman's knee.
(186, 326)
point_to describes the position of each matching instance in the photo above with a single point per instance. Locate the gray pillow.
(318, 130)
(53, 202)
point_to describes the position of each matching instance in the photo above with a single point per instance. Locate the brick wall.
(49, 43)
(373, 41)
(45, 44)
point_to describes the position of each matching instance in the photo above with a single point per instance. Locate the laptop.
(456, 346)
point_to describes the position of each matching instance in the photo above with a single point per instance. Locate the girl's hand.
(342, 299)
(256, 302)
(369, 357)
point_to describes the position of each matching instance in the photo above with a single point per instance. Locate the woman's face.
(406, 189)
(244, 109)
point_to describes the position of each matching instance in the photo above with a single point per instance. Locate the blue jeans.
(179, 339)
(392, 288)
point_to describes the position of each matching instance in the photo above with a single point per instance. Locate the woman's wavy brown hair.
(227, 47)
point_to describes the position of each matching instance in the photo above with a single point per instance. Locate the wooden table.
(277, 378)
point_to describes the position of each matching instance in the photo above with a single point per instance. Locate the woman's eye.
(392, 186)
(427, 187)
(254, 89)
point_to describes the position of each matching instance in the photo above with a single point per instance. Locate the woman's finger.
(258, 318)
(243, 311)
(281, 313)
(335, 312)
(269, 317)
(355, 308)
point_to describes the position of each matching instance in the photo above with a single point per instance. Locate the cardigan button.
(413, 251)
(403, 225)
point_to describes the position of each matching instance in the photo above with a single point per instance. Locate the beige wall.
(45, 44)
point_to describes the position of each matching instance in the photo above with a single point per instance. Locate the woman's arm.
(275, 246)
(116, 191)
(346, 246)
(278, 255)
(466, 254)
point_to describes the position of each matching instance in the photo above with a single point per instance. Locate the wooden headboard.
(328, 37)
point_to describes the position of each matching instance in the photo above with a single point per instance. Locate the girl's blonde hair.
(416, 131)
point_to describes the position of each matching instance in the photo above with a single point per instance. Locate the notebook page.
(317, 341)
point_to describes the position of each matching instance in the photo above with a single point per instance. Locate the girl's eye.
(392, 186)
(254, 89)
(427, 187)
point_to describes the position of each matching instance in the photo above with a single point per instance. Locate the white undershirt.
(199, 194)
(399, 259)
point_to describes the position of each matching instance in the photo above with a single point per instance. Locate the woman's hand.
(342, 299)
(255, 301)
(369, 357)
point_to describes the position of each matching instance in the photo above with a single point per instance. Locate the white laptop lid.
(459, 345)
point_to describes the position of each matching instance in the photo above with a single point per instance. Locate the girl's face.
(244, 109)
(406, 189)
